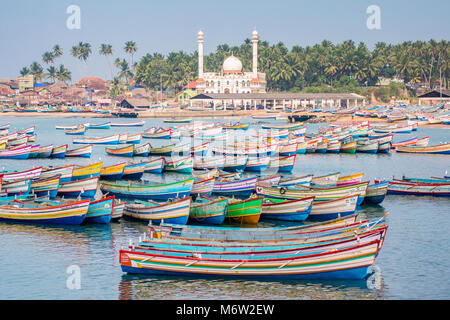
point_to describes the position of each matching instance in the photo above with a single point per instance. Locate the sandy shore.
(318, 116)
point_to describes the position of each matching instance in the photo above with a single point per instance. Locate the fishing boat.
(45, 151)
(237, 188)
(126, 151)
(133, 138)
(257, 164)
(287, 210)
(106, 125)
(183, 165)
(176, 212)
(301, 147)
(141, 150)
(286, 164)
(100, 211)
(436, 149)
(59, 152)
(81, 130)
(174, 120)
(34, 151)
(376, 192)
(16, 187)
(134, 170)
(29, 131)
(384, 147)
(321, 147)
(67, 213)
(332, 209)
(71, 127)
(422, 142)
(208, 163)
(302, 180)
(203, 188)
(128, 124)
(114, 139)
(114, 172)
(334, 147)
(167, 151)
(157, 133)
(353, 178)
(84, 172)
(366, 146)
(269, 181)
(329, 179)
(237, 125)
(405, 129)
(349, 147)
(418, 188)
(290, 127)
(235, 164)
(288, 149)
(408, 142)
(208, 211)
(33, 173)
(84, 152)
(64, 173)
(154, 165)
(79, 188)
(16, 153)
(200, 150)
(157, 192)
(118, 208)
(245, 211)
(45, 187)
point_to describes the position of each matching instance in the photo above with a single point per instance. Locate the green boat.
(183, 165)
(245, 211)
(208, 211)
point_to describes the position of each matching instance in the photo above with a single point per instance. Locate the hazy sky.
(28, 28)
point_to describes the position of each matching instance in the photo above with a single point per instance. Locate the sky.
(28, 28)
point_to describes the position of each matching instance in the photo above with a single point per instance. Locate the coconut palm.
(130, 48)
(106, 50)
(25, 71)
(37, 71)
(48, 57)
(52, 73)
(63, 74)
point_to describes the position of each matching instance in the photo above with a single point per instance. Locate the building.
(435, 97)
(26, 83)
(231, 79)
(189, 91)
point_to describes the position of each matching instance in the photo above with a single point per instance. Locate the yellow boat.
(114, 172)
(90, 171)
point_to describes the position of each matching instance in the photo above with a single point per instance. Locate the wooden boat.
(16, 187)
(422, 142)
(436, 149)
(34, 151)
(67, 213)
(176, 212)
(332, 209)
(126, 151)
(16, 153)
(154, 165)
(384, 147)
(81, 130)
(71, 127)
(349, 147)
(302, 180)
(405, 129)
(334, 147)
(288, 149)
(418, 188)
(157, 133)
(114, 139)
(211, 163)
(286, 164)
(269, 181)
(106, 125)
(84, 152)
(321, 147)
(329, 179)
(183, 165)
(353, 178)
(128, 124)
(376, 192)
(200, 150)
(245, 211)
(134, 170)
(257, 164)
(29, 131)
(168, 150)
(79, 188)
(237, 125)
(285, 126)
(203, 188)
(59, 152)
(302, 147)
(114, 172)
(174, 120)
(208, 211)
(45, 151)
(133, 138)
(33, 173)
(408, 142)
(235, 164)
(141, 150)
(118, 208)
(158, 192)
(84, 172)
(238, 188)
(288, 210)
(206, 174)
(64, 173)
(367, 146)
(100, 211)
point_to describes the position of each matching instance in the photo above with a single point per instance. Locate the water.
(413, 263)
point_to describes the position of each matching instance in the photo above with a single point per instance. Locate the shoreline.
(319, 117)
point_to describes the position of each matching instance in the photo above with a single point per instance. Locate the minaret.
(255, 53)
(200, 54)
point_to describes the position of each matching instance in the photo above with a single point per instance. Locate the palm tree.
(63, 74)
(57, 51)
(130, 48)
(25, 71)
(48, 57)
(51, 73)
(37, 71)
(106, 50)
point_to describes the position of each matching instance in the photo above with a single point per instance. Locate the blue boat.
(100, 211)
(134, 171)
(106, 125)
(376, 193)
(208, 211)
(176, 212)
(236, 164)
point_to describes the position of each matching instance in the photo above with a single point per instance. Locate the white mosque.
(231, 79)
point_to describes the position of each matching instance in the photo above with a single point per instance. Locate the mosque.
(230, 79)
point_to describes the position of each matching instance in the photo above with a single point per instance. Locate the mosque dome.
(232, 65)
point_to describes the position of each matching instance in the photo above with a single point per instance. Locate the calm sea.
(37, 259)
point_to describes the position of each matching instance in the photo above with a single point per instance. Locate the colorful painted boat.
(200, 150)
(239, 188)
(154, 165)
(366, 146)
(114, 139)
(157, 133)
(208, 163)
(118, 209)
(128, 124)
(126, 151)
(79, 188)
(106, 125)
(84, 172)
(334, 147)
(16, 153)
(83, 152)
(70, 127)
(332, 209)
(16, 187)
(68, 213)
(245, 211)
(237, 125)
(78, 131)
(329, 179)
(422, 142)
(134, 170)
(257, 164)
(349, 147)
(408, 142)
(436, 149)
(235, 164)
(174, 120)
(100, 211)
(59, 152)
(183, 165)
(29, 131)
(176, 212)
(203, 188)
(302, 147)
(141, 150)
(376, 192)
(384, 147)
(269, 181)
(286, 164)
(45, 187)
(158, 192)
(33, 173)
(288, 149)
(418, 188)
(133, 138)
(353, 178)
(167, 150)
(208, 211)
(64, 173)
(114, 172)
(45, 151)
(287, 210)
(302, 180)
